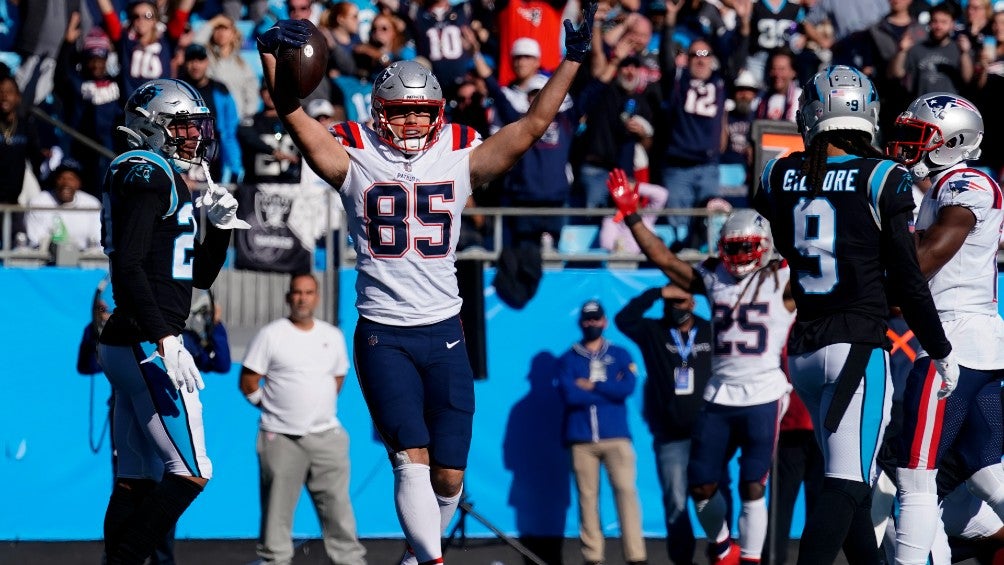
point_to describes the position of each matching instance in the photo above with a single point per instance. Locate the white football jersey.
(404, 217)
(965, 288)
(751, 326)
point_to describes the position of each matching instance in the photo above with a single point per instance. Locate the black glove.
(577, 39)
(289, 33)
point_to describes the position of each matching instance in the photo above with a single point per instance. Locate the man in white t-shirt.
(64, 211)
(302, 362)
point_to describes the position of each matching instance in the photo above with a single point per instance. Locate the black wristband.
(632, 219)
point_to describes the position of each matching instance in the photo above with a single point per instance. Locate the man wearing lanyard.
(677, 352)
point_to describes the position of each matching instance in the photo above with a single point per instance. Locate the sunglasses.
(147, 15)
(700, 53)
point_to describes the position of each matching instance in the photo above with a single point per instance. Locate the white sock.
(416, 505)
(753, 528)
(447, 508)
(988, 485)
(711, 515)
(918, 515)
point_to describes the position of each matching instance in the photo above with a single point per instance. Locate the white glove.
(948, 370)
(219, 206)
(180, 365)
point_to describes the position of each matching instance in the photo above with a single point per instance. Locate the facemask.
(677, 316)
(590, 333)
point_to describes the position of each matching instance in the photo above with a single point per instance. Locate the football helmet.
(837, 98)
(935, 132)
(745, 243)
(169, 117)
(404, 85)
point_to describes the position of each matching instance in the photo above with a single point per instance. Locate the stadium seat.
(578, 239)
(666, 233)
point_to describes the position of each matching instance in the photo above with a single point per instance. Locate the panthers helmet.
(935, 132)
(161, 104)
(837, 98)
(407, 84)
(745, 243)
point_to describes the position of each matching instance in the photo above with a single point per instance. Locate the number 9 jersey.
(842, 245)
(404, 217)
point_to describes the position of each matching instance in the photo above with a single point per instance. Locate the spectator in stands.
(534, 19)
(616, 237)
(438, 28)
(594, 379)
(77, 218)
(43, 25)
(21, 147)
(780, 99)
(92, 100)
(226, 65)
(884, 39)
(738, 152)
(773, 24)
(978, 21)
(303, 362)
(699, 19)
(223, 107)
(256, 9)
(937, 64)
(145, 49)
(619, 116)
(987, 93)
(387, 43)
(541, 179)
(847, 18)
(694, 121)
(340, 26)
(267, 149)
(675, 343)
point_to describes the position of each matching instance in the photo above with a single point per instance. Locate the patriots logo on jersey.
(963, 184)
(939, 104)
(532, 15)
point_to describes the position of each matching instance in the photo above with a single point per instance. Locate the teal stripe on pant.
(873, 410)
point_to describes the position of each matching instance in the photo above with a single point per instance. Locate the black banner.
(271, 244)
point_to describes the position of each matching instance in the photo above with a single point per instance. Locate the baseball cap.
(96, 44)
(525, 47)
(591, 310)
(195, 51)
(320, 107)
(745, 79)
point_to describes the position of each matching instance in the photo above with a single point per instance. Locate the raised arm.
(326, 156)
(625, 197)
(501, 151)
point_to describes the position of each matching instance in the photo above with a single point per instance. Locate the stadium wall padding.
(56, 461)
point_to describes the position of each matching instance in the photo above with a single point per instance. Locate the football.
(305, 66)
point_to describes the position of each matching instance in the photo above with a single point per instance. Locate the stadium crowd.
(669, 94)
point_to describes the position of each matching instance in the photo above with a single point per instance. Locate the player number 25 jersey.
(404, 217)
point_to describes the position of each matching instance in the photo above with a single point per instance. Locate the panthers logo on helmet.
(940, 104)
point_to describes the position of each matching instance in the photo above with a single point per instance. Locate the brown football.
(305, 66)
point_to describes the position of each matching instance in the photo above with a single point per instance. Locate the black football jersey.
(845, 246)
(148, 230)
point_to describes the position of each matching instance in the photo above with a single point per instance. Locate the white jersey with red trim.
(404, 217)
(965, 288)
(751, 326)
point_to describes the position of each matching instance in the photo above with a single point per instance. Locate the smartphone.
(990, 46)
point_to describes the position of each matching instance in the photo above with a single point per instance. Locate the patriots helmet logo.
(940, 104)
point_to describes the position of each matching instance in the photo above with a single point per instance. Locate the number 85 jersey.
(404, 217)
(838, 245)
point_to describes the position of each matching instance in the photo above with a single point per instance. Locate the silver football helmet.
(745, 243)
(402, 86)
(170, 117)
(935, 132)
(837, 98)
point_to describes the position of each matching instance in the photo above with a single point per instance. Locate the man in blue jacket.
(594, 380)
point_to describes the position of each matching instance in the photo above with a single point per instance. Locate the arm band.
(632, 219)
(255, 397)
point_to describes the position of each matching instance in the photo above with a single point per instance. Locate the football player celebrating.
(150, 233)
(958, 226)
(404, 184)
(747, 394)
(840, 215)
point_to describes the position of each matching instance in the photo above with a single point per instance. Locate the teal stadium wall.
(56, 453)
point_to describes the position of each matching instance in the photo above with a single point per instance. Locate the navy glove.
(577, 39)
(288, 33)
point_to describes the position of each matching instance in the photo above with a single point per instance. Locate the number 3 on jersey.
(393, 211)
(815, 238)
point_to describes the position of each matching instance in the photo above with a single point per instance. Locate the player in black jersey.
(840, 214)
(157, 254)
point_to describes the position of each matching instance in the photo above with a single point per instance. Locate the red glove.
(625, 196)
